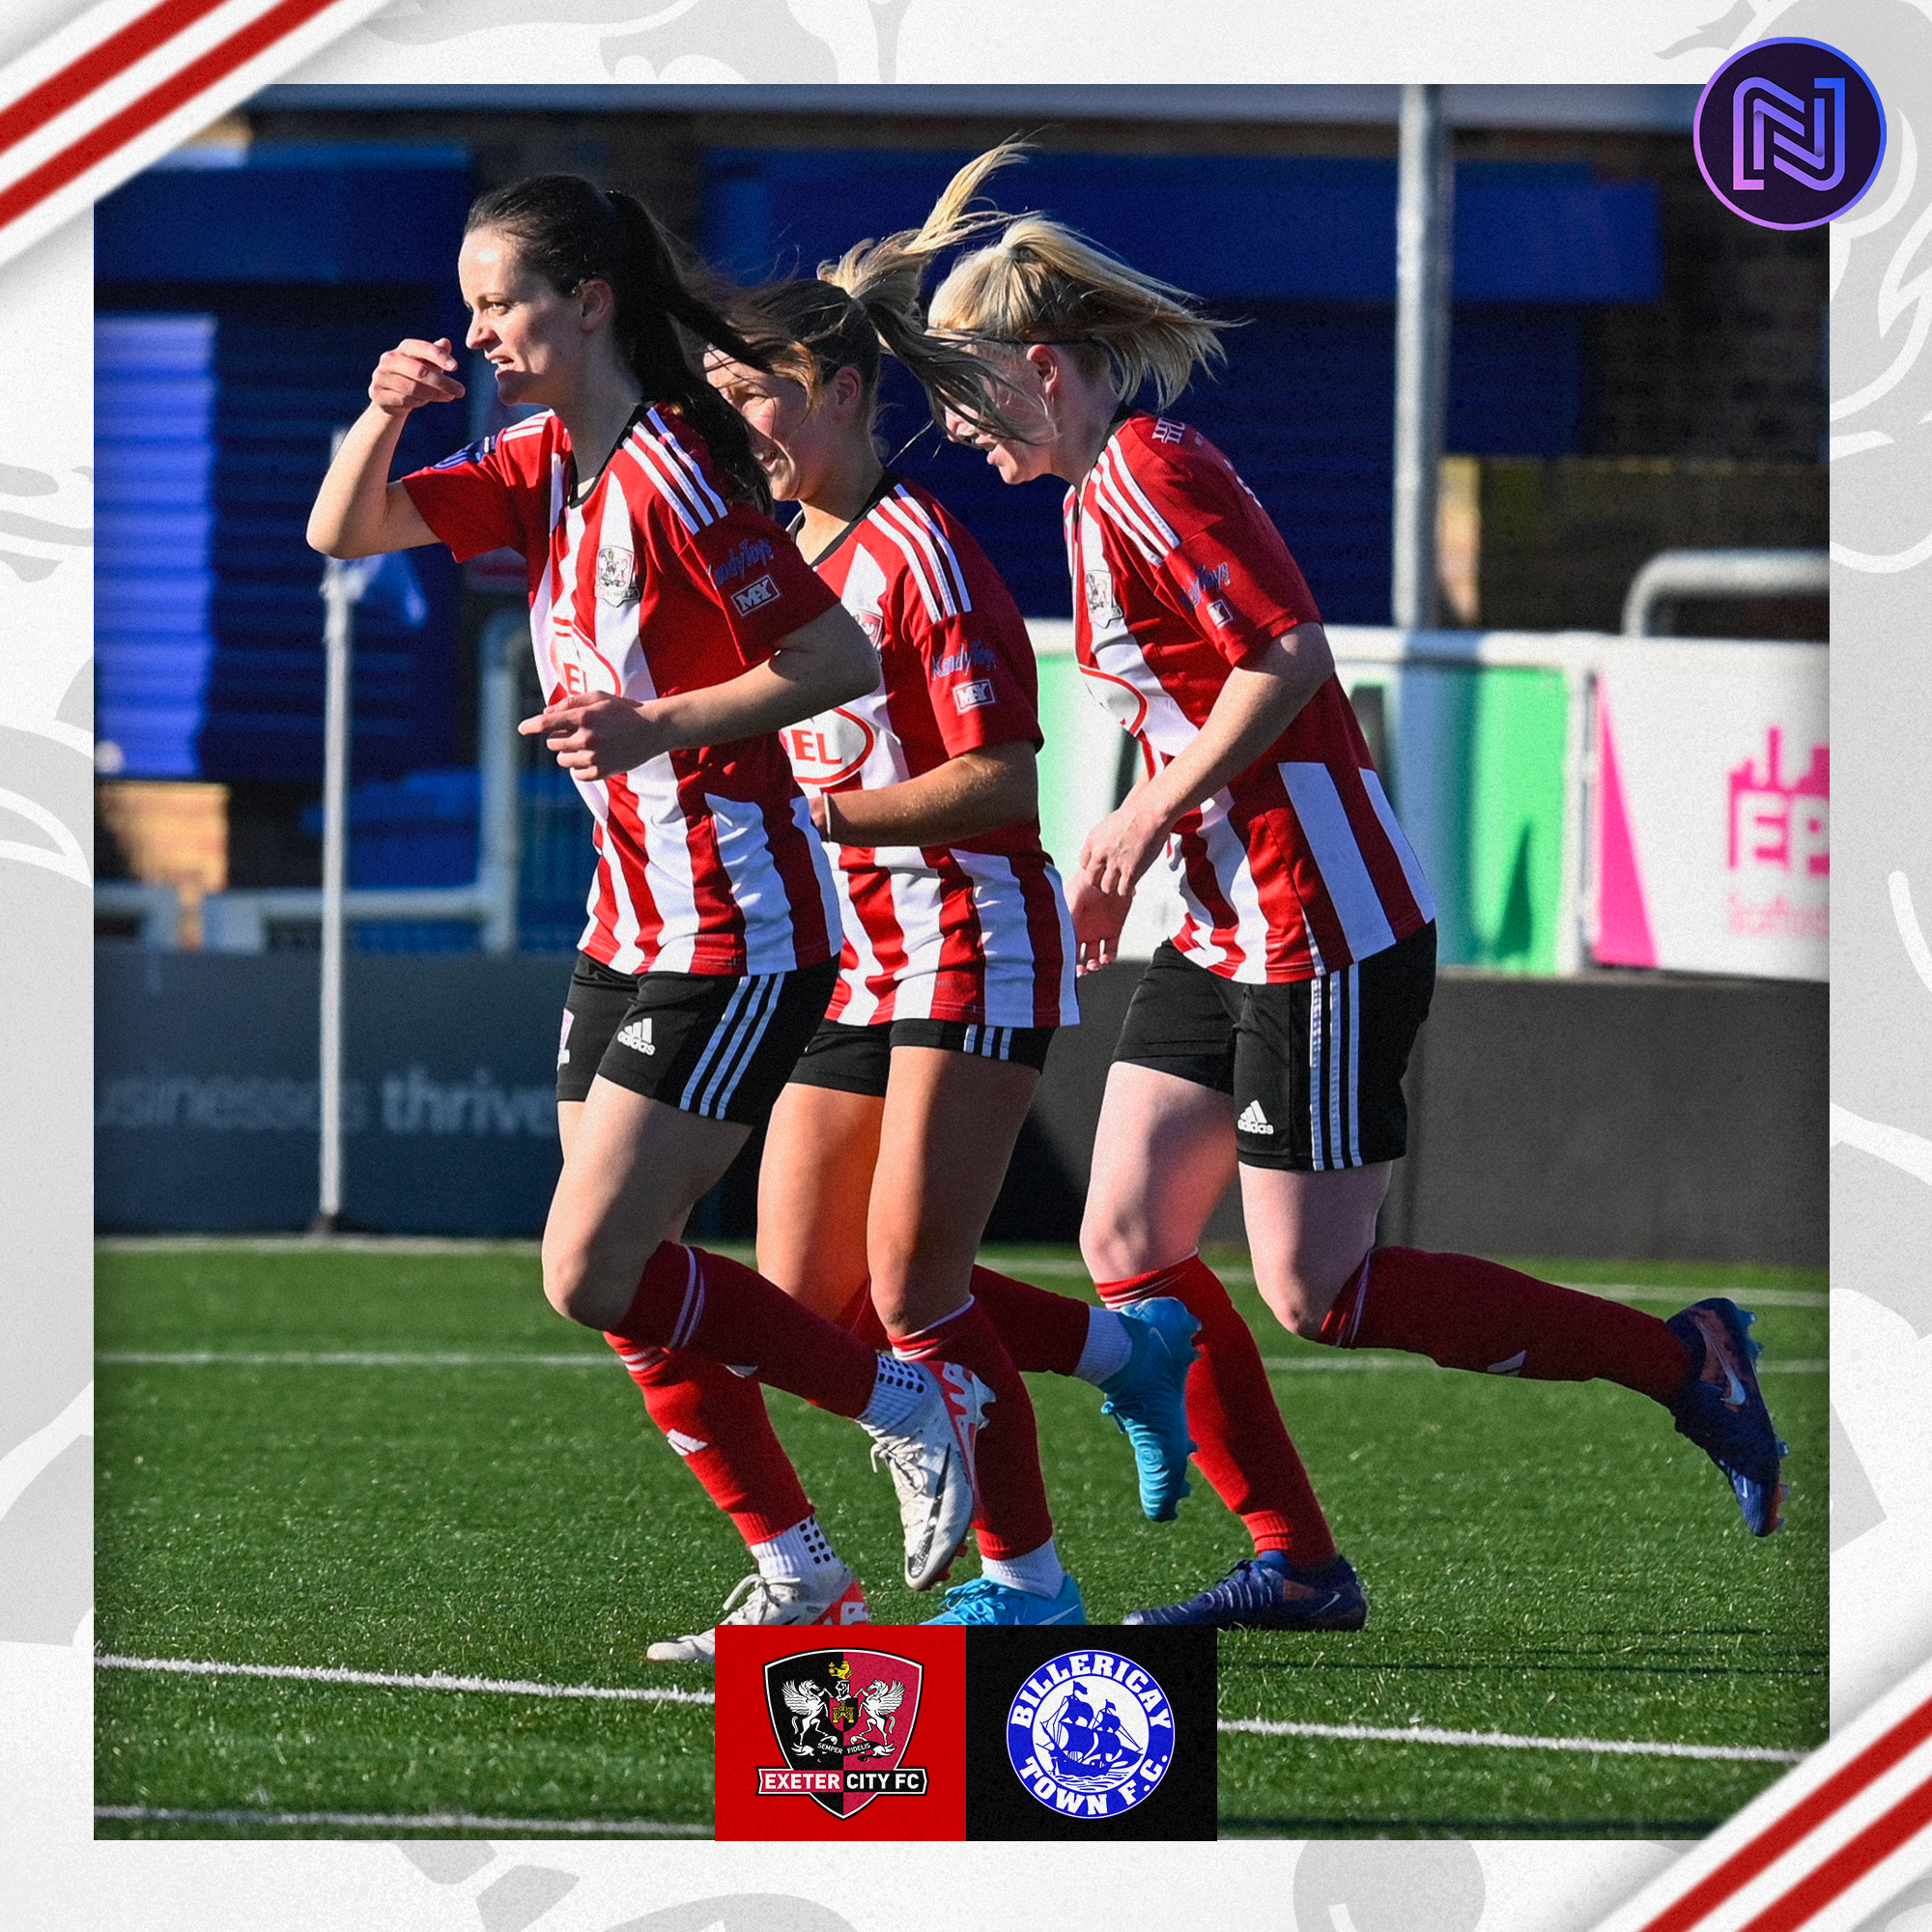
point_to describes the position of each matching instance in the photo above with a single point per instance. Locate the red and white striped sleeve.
(951, 605)
(1198, 536)
(494, 494)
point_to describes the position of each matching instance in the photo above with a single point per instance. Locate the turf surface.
(1548, 1560)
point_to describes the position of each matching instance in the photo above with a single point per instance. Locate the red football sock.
(1012, 1517)
(717, 1422)
(1043, 1332)
(1470, 1314)
(717, 1308)
(1239, 1440)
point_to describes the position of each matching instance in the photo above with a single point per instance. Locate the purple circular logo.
(1789, 134)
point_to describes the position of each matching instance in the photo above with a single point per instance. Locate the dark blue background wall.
(242, 308)
(1303, 249)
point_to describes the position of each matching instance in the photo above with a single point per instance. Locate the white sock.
(796, 1555)
(899, 1390)
(1109, 1343)
(1037, 1573)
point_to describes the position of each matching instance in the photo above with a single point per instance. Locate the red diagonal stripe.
(1804, 1818)
(96, 68)
(118, 130)
(1849, 1863)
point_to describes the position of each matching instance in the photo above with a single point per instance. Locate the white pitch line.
(202, 1358)
(1421, 1734)
(1415, 1734)
(431, 1821)
(435, 1680)
(1797, 1365)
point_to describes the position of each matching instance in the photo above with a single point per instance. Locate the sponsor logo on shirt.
(756, 595)
(827, 749)
(1165, 431)
(1208, 580)
(616, 574)
(742, 559)
(955, 661)
(1219, 614)
(975, 695)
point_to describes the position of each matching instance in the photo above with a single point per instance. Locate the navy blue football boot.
(1266, 1592)
(1720, 1408)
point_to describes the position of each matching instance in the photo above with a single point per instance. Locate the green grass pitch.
(1545, 1560)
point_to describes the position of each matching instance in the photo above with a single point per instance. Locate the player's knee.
(1113, 1243)
(1298, 1303)
(574, 1288)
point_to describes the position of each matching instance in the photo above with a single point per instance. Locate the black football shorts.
(718, 1047)
(1314, 1065)
(857, 1058)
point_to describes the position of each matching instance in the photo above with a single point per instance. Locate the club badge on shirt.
(1103, 607)
(616, 574)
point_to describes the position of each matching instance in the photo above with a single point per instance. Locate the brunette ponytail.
(570, 232)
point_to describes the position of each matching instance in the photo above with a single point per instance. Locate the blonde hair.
(1042, 281)
(869, 300)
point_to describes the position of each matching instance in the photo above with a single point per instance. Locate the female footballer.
(1270, 1034)
(677, 629)
(888, 1148)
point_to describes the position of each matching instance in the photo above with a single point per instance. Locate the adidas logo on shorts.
(636, 1036)
(1253, 1121)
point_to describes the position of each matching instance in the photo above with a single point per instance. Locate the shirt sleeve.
(753, 571)
(474, 501)
(1210, 551)
(978, 667)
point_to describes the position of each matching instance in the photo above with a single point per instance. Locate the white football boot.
(833, 1597)
(931, 1458)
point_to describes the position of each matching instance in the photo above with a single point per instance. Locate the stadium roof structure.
(1632, 109)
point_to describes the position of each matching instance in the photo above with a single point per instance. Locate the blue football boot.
(984, 1602)
(1148, 1400)
(1266, 1592)
(1719, 1408)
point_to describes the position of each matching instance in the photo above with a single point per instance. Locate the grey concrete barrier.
(1616, 1115)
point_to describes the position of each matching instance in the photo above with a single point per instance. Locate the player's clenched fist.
(415, 372)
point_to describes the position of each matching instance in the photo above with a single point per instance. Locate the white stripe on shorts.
(749, 1051)
(1334, 1069)
(738, 1049)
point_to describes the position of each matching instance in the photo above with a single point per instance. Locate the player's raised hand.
(599, 735)
(415, 372)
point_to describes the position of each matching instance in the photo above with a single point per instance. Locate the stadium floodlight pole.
(342, 584)
(1424, 222)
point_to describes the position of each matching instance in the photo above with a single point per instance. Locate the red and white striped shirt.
(655, 582)
(977, 930)
(1297, 867)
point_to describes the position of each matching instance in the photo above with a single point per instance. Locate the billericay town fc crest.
(1091, 1734)
(843, 1719)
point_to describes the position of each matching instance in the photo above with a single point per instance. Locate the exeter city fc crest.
(843, 1719)
(616, 574)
